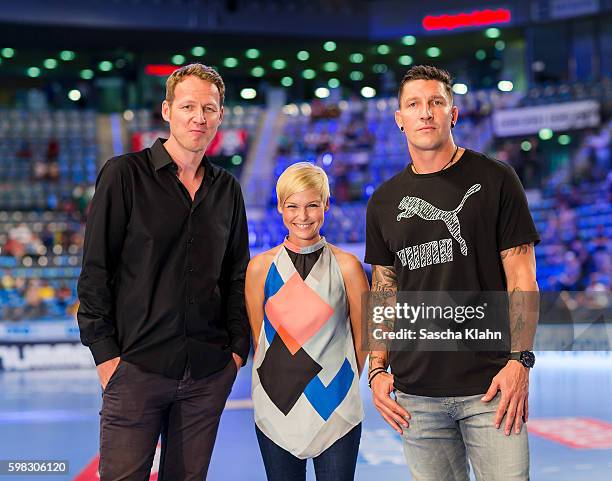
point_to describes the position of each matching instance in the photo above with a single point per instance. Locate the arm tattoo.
(383, 293)
(384, 281)
(523, 295)
(516, 251)
(517, 319)
(377, 361)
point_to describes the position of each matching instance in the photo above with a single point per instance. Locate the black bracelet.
(375, 370)
(372, 378)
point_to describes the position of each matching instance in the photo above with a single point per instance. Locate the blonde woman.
(304, 303)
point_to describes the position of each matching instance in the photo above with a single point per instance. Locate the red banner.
(476, 18)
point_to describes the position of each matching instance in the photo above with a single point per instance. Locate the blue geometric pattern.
(274, 282)
(269, 329)
(325, 400)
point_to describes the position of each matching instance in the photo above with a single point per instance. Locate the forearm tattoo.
(523, 299)
(517, 319)
(377, 360)
(384, 281)
(383, 293)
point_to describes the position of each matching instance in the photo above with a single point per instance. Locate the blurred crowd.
(42, 240)
(578, 256)
(577, 158)
(44, 165)
(31, 243)
(36, 298)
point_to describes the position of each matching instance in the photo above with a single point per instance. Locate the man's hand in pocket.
(106, 370)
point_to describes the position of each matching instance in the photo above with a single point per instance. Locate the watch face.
(527, 358)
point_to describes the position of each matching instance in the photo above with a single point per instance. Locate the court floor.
(54, 415)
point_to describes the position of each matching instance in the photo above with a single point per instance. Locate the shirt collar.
(161, 158)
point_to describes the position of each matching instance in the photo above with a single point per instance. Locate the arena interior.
(307, 80)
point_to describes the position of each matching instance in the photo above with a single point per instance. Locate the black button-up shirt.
(163, 276)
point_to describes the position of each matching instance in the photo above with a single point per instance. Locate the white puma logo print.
(413, 205)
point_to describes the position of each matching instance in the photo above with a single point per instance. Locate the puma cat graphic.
(413, 205)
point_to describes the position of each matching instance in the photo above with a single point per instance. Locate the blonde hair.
(198, 70)
(299, 177)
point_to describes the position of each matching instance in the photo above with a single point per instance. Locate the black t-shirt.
(444, 232)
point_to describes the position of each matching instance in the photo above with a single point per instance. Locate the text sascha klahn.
(447, 334)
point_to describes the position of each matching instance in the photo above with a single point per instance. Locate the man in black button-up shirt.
(162, 290)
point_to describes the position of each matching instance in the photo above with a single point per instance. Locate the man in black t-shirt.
(453, 220)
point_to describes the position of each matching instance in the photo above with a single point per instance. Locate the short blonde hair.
(198, 70)
(299, 177)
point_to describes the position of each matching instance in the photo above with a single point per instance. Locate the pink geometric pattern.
(290, 343)
(298, 310)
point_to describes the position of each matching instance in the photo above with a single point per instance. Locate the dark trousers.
(138, 406)
(336, 463)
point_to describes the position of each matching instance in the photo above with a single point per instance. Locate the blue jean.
(445, 432)
(336, 463)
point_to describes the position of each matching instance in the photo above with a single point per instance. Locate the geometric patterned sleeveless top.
(305, 386)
